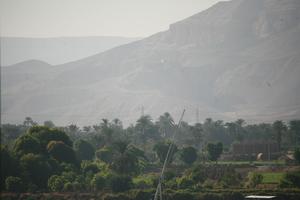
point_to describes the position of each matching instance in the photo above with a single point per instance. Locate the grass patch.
(272, 177)
(258, 163)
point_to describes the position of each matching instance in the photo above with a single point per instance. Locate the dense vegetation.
(107, 157)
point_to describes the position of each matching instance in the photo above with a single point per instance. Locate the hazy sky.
(130, 18)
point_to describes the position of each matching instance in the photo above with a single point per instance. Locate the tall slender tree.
(166, 124)
(279, 128)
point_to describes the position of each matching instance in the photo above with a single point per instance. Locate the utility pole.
(197, 116)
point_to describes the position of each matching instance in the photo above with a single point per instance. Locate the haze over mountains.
(56, 50)
(238, 59)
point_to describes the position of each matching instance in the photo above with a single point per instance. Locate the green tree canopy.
(297, 155)
(188, 155)
(105, 154)
(45, 134)
(214, 150)
(27, 144)
(9, 165)
(14, 184)
(61, 152)
(125, 161)
(279, 128)
(84, 150)
(120, 183)
(161, 150)
(36, 168)
(56, 183)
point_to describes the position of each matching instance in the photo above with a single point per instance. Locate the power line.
(167, 159)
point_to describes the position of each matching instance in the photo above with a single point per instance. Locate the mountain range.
(237, 59)
(56, 50)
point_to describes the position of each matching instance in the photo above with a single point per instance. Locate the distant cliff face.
(238, 59)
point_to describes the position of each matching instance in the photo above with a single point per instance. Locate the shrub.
(84, 150)
(168, 175)
(198, 174)
(120, 183)
(98, 182)
(88, 166)
(183, 196)
(208, 196)
(116, 197)
(145, 181)
(233, 196)
(185, 182)
(77, 186)
(68, 187)
(26, 144)
(209, 183)
(14, 184)
(188, 155)
(105, 154)
(297, 155)
(254, 179)
(61, 152)
(56, 183)
(37, 169)
(142, 194)
(291, 179)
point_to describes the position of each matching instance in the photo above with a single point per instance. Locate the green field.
(272, 162)
(272, 177)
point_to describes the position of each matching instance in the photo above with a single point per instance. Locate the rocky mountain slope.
(238, 59)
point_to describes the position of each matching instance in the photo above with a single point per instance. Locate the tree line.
(107, 156)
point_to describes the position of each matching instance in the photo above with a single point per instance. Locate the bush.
(291, 179)
(9, 165)
(145, 181)
(198, 174)
(233, 196)
(209, 183)
(209, 196)
(77, 186)
(88, 166)
(26, 144)
(183, 196)
(188, 155)
(116, 197)
(185, 182)
(68, 187)
(168, 175)
(120, 183)
(14, 184)
(37, 168)
(105, 154)
(84, 150)
(56, 183)
(98, 182)
(142, 194)
(254, 179)
(297, 155)
(61, 152)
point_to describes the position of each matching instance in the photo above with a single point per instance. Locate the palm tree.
(294, 126)
(279, 127)
(28, 122)
(197, 132)
(142, 125)
(106, 130)
(165, 124)
(234, 129)
(125, 161)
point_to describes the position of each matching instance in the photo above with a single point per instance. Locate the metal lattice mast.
(170, 150)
